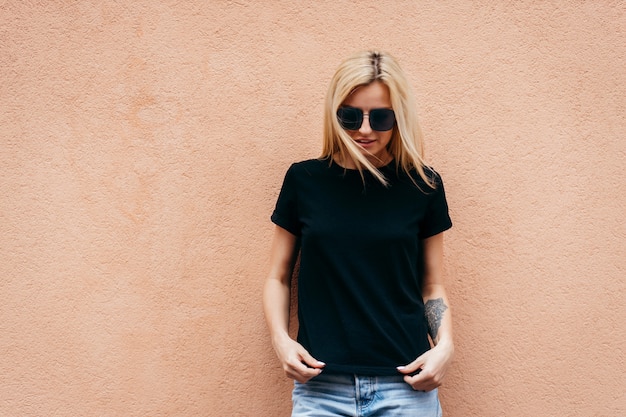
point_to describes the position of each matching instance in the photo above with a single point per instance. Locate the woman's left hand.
(427, 371)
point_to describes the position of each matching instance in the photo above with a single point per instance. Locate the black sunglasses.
(351, 118)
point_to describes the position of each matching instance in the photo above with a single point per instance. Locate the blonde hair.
(406, 144)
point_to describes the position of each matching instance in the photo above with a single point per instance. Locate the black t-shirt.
(360, 307)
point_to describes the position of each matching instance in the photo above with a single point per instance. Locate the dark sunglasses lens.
(382, 119)
(350, 118)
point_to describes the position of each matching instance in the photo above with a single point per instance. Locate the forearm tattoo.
(434, 309)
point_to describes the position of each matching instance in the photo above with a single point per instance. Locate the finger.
(311, 362)
(302, 373)
(305, 364)
(303, 376)
(424, 381)
(412, 367)
(303, 369)
(420, 386)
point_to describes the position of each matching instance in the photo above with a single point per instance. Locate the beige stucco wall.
(143, 145)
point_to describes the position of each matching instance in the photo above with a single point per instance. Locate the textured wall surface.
(142, 146)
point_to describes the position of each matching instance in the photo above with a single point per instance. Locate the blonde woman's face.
(373, 144)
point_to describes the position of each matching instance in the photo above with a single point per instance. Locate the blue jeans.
(362, 396)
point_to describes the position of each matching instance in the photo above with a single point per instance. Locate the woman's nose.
(365, 126)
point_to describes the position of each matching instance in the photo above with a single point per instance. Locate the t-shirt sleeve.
(285, 213)
(437, 218)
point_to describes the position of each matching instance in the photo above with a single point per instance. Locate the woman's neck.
(346, 161)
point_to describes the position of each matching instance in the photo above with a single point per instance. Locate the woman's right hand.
(297, 363)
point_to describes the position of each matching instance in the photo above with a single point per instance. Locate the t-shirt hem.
(361, 370)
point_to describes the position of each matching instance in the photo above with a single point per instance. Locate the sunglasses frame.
(374, 123)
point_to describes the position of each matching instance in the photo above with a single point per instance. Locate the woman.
(367, 218)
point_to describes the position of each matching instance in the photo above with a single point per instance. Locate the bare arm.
(432, 365)
(297, 363)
